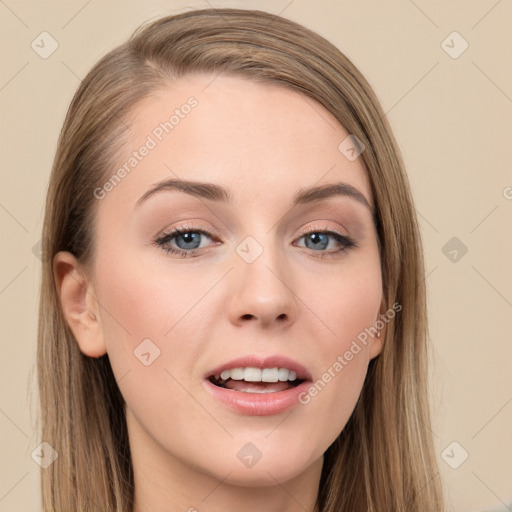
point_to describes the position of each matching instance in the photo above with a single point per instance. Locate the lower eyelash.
(162, 241)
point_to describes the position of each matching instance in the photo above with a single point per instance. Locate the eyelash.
(166, 237)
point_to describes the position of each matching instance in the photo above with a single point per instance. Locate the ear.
(79, 305)
(378, 341)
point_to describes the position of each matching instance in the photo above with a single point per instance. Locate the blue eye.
(320, 239)
(188, 241)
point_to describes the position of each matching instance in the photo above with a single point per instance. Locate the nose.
(262, 292)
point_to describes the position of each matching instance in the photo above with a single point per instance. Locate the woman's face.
(247, 286)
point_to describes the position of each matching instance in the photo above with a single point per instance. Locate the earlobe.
(78, 303)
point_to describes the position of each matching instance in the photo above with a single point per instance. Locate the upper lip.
(256, 361)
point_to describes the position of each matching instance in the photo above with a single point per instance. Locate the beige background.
(453, 121)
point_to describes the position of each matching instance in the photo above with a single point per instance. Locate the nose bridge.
(262, 287)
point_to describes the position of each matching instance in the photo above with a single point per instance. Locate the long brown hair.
(383, 460)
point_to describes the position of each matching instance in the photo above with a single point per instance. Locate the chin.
(266, 471)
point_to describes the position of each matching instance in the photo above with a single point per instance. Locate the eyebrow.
(215, 192)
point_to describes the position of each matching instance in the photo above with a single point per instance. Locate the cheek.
(347, 302)
(142, 301)
(349, 308)
(151, 330)
(144, 312)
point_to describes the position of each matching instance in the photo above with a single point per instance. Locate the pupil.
(189, 239)
(317, 241)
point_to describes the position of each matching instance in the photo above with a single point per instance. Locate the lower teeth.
(253, 391)
(222, 384)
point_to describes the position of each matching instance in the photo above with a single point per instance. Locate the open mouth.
(254, 387)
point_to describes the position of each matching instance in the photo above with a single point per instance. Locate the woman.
(233, 309)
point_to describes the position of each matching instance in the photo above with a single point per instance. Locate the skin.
(263, 142)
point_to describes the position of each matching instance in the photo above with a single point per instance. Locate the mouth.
(259, 374)
(258, 385)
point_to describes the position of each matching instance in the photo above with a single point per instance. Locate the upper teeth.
(251, 374)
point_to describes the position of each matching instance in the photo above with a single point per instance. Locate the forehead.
(258, 139)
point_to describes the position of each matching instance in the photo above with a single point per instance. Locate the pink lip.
(263, 362)
(259, 404)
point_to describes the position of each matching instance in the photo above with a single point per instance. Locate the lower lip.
(257, 404)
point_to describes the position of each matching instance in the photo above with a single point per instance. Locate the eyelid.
(205, 231)
(346, 240)
(314, 229)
